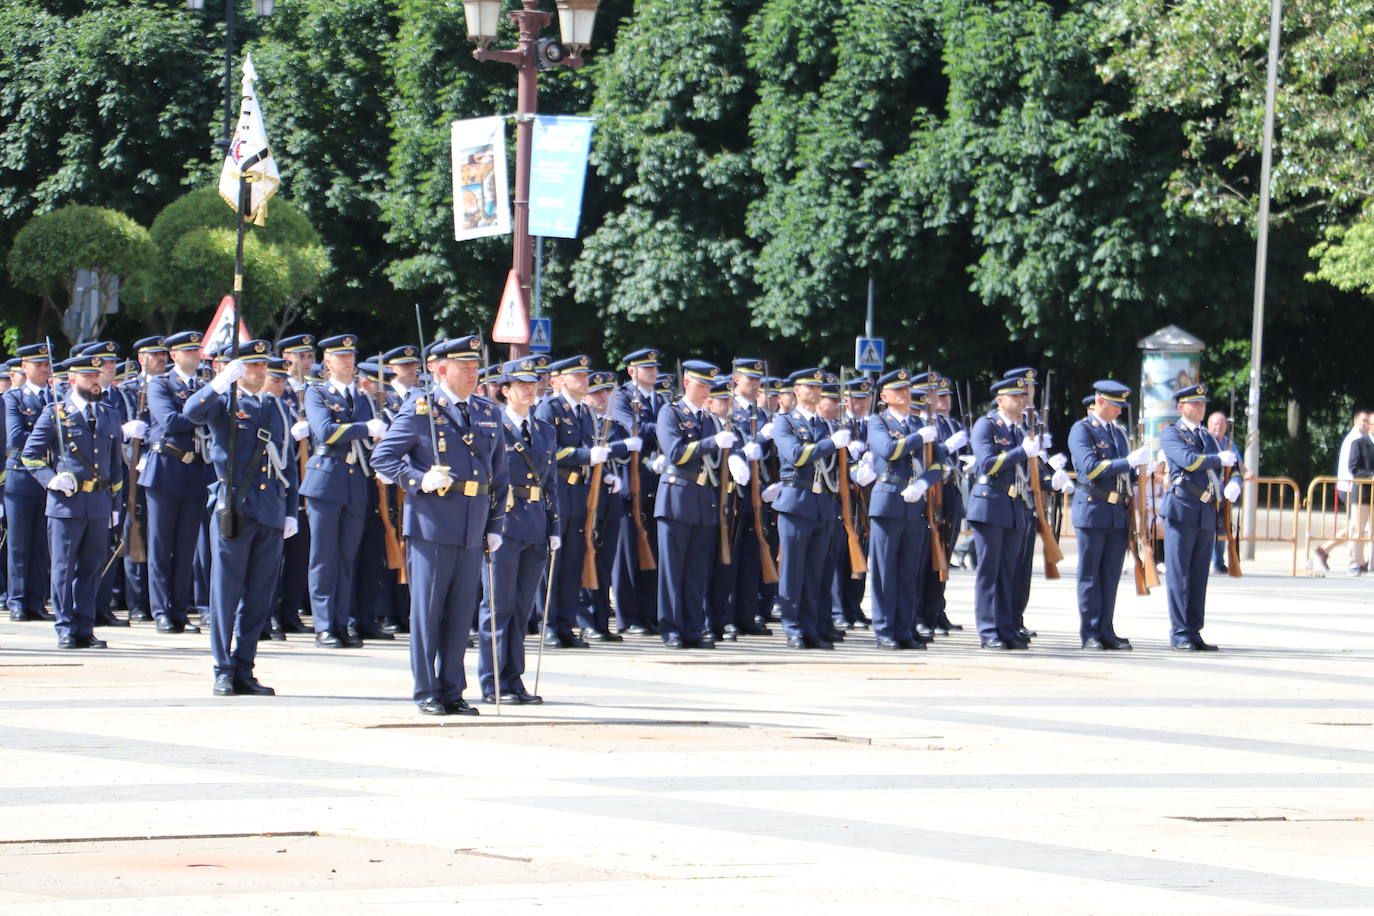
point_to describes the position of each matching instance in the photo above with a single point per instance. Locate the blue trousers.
(28, 580)
(635, 590)
(336, 531)
(802, 592)
(174, 524)
(510, 592)
(684, 575)
(372, 580)
(995, 582)
(1187, 551)
(746, 570)
(136, 574)
(241, 590)
(567, 575)
(596, 603)
(293, 586)
(1025, 570)
(78, 547)
(1101, 554)
(898, 560)
(445, 587)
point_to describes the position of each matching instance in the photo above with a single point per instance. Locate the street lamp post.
(262, 8)
(576, 19)
(862, 166)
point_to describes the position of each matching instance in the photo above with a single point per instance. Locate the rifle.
(723, 496)
(1144, 528)
(766, 562)
(395, 553)
(646, 553)
(137, 546)
(590, 580)
(1224, 515)
(1050, 547)
(433, 428)
(935, 508)
(1135, 532)
(858, 563)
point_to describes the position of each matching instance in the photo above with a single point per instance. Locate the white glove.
(114, 519)
(435, 478)
(65, 482)
(1058, 461)
(614, 483)
(1046, 441)
(864, 474)
(383, 478)
(856, 448)
(1232, 490)
(231, 373)
(1031, 446)
(598, 454)
(771, 491)
(738, 469)
(493, 542)
(928, 433)
(555, 542)
(290, 527)
(1140, 457)
(376, 428)
(1069, 488)
(1059, 479)
(142, 464)
(633, 443)
(766, 431)
(968, 461)
(913, 491)
(659, 464)
(300, 429)
(725, 439)
(1228, 458)
(753, 451)
(957, 441)
(135, 429)
(841, 437)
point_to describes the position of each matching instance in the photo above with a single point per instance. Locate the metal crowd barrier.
(1276, 520)
(1328, 523)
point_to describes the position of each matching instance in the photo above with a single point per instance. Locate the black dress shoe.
(946, 624)
(69, 642)
(374, 634)
(942, 631)
(591, 634)
(552, 641)
(19, 616)
(1092, 642)
(573, 642)
(1026, 634)
(45, 615)
(1018, 643)
(266, 634)
(797, 642)
(754, 629)
(252, 687)
(291, 623)
(820, 643)
(834, 635)
(108, 619)
(350, 642)
(140, 616)
(224, 686)
(925, 632)
(642, 629)
(862, 623)
(912, 644)
(1203, 646)
(90, 642)
(673, 642)
(189, 628)
(891, 645)
(528, 699)
(387, 624)
(326, 639)
(275, 631)
(460, 707)
(1116, 642)
(729, 631)
(1185, 646)
(705, 642)
(167, 626)
(923, 637)
(507, 696)
(433, 708)
(995, 644)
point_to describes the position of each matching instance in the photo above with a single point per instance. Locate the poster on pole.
(558, 173)
(219, 333)
(481, 197)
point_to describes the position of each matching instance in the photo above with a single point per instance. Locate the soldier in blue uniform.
(404, 364)
(456, 494)
(742, 605)
(372, 582)
(174, 480)
(1000, 512)
(1190, 514)
(954, 439)
(336, 489)
(298, 352)
(847, 587)
(610, 509)
(113, 572)
(1032, 424)
(1103, 461)
(73, 453)
(25, 500)
(728, 474)
(263, 493)
(529, 537)
(807, 511)
(635, 405)
(152, 361)
(899, 546)
(685, 510)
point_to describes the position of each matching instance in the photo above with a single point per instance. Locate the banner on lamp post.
(481, 198)
(558, 174)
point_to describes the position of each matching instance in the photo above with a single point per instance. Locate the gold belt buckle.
(535, 493)
(1114, 498)
(1011, 491)
(1206, 496)
(469, 488)
(188, 457)
(573, 478)
(816, 485)
(701, 478)
(88, 486)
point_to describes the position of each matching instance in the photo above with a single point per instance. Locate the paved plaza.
(748, 779)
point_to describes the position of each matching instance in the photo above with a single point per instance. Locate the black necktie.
(463, 409)
(348, 396)
(525, 431)
(90, 416)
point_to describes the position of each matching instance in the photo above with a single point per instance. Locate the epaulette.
(421, 405)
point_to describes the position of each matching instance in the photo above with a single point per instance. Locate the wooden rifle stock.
(766, 562)
(1052, 554)
(1133, 516)
(935, 498)
(590, 580)
(643, 550)
(1232, 542)
(401, 576)
(858, 563)
(391, 542)
(137, 545)
(1144, 528)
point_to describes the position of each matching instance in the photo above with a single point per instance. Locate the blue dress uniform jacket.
(1190, 524)
(574, 434)
(266, 489)
(171, 439)
(334, 427)
(446, 531)
(135, 393)
(611, 510)
(78, 525)
(1100, 504)
(999, 513)
(511, 581)
(27, 570)
(686, 511)
(636, 590)
(807, 512)
(744, 594)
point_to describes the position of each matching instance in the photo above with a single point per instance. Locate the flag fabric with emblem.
(249, 156)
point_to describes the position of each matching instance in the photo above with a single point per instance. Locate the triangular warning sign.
(869, 355)
(220, 333)
(513, 317)
(539, 336)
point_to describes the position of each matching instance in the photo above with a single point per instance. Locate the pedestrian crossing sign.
(868, 354)
(541, 335)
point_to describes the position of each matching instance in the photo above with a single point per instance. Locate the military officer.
(336, 489)
(25, 500)
(751, 423)
(727, 473)
(404, 363)
(1195, 459)
(298, 352)
(847, 587)
(1033, 424)
(151, 353)
(1103, 462)
(73, 453)
(113, 573)
(529, 537)
(456, 491)
(610, 509)
(954, 438)
(262, 493)
(635, 405)
(1000, 513)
